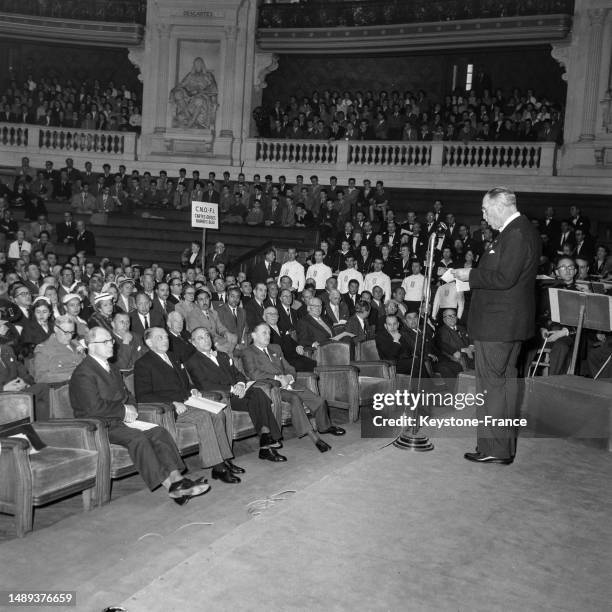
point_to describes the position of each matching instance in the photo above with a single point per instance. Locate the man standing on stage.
(502, 315)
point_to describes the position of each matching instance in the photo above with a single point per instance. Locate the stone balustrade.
(516, 158)
(34, 139)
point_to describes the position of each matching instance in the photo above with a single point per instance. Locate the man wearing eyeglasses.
(56, 358)
(502, 315)
(23, 299)
(97, 391)
(560, 339)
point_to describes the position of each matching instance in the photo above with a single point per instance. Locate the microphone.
(441, 227)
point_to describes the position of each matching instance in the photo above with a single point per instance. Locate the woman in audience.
(103, 312)
(50, 292)
(38, 327)
(187, 303)
(71, 306)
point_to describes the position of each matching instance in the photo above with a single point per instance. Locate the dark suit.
(155, 320)
(361, 333)
(502, 315)
(448, 342)
(287, 321)
(237, 325)
(96, 393)
(85, 242)
(126, 355)
(159, 309)
(398, 352)
(180, 346)
(11, 368)
(288, 344)
(309, 331)
(260, 274)
(348, 300)
(258, 366)
(157, 381)
(254, 313)
(343, 312)
(207, 376)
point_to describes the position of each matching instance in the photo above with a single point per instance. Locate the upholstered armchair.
(366, 351)
(184, 434)
(349, 384)
(113, 460)
(68, 464)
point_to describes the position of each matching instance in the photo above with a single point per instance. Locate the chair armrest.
(159, 413)
(334, 369)
(153, 413)
(215, 396)
(67, 433)
(309, 380)
(15, 473)
(372, 368)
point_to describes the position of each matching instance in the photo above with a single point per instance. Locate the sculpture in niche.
(195, 98)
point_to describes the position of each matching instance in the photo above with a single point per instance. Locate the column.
(591, 100)
(163, 54)
(229, 81)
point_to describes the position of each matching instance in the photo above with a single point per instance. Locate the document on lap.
(141, 425)
(205, 404)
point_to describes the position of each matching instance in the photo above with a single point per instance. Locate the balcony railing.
(33, 139)
(123, 11)
(359, 13)
(430, 157)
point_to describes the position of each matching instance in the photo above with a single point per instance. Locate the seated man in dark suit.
(143, 317)
(212, 370)
(456, 351)
(337, 310)
(254, 308)
(234, 317)
(179, 338)
(288, 315)
(265, 361)
(358, 324)
(286, 339)
(128, 346)
(160, 377)
(394, 346)
(97, 391)
(313, 330)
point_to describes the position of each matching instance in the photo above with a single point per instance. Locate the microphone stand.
(410, 439)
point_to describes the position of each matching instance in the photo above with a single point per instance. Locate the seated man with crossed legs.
(212, 370)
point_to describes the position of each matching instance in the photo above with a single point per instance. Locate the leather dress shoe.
(187, 488)
(197, 481)
(270, 454)
(233, 468)
(334, 431)
(224, 476)
(480, 458)
(322, 446)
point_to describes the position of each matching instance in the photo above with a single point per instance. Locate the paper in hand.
(448, 277)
